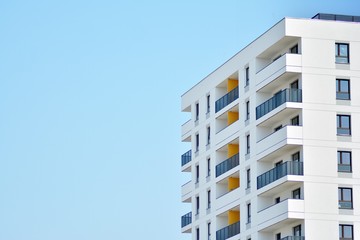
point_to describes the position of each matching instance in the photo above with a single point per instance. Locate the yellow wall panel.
(233, 217)
(232, 84)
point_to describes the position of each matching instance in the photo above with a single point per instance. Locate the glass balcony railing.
(286, 168)
(294, 238)
(226, 165)
(186, 219)
(344, 167)
(227, 99)
(228, 232)
(185, 158)
(286, 95)
(345, 204)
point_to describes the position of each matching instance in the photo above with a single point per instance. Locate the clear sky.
(90, 108)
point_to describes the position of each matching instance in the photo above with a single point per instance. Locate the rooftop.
(336, 17)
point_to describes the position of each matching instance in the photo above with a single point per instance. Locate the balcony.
(283, 68)
(294, 238)
(283, 139)
(186, 191)
(286, 95)
(226, 165)
(186, 131)
(227, 99)
(286, 168)
(185, 158)
(281, 214)
(186, 219)
(228, 232)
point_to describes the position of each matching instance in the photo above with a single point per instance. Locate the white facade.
(300, 170)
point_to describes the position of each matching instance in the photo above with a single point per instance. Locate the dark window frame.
(342, 200)
(247, 110)
(342, 94)
(248, 212)
(340, 58)
(341, 159)
(341, 130)
(247, 76)
(248, 144)
(248, 178)
(342, 232)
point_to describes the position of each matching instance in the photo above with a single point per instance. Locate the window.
(247, 76)
(248, 178)
(247, 144)
(294, 49)
(342, 53)
(294, 85)
(208, 104)
(278, 128)
(297, 231)
(345, 198)
(208, 167)
(278, 236)
(296, 194)
(344, 161)
(197, 142)
(343, 125)
(197, 173)
(346, 232)
(197, 205)
(196, 111)
(249, 213)
(247, 110)
(277, 200)
(197, 234)
(296, 157)
(209, 230)
(295, 121)
(342, 89)
(209, 199)
(208, 135)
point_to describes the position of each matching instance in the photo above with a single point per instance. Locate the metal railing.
(294, 238)
(286, 95)
(228, 232)
(227, 99)
(286, 168)
(336, 17)
(186, 219)
(226, 165)
(185, 158)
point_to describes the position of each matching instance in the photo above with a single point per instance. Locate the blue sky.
(90, 108)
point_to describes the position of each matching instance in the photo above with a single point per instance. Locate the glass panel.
(345, 121)
(345, 159)
(343, 50)
(347, 194)
(344, 85)
(347, 232)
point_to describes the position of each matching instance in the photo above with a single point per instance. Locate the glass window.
(248, 144)
(278, 128)
(344, 161)
(247, 110)
(209, 199)
(294, 49)
(197, 234)
(209, 230)
(208, 167)
(297, 231)
(197, 205)
(197, 173)
(208, 104)
(295, 121)
(342, 89)
(196, 111)
(342, 53)
(296, 194)
(249, 213)
(247, 76)
(345, 198)
(346, 232)
(343, 125)
(197, 142)
(248, 178)
(208, 135)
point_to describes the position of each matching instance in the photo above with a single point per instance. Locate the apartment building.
(274, 137)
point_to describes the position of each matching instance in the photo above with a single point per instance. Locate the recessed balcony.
(288, 64)
(284, 169)
(186, 191)
(227, 165)
(228, 231)
(226, 99)
(280, 214)
(286, 95)
(186, 131)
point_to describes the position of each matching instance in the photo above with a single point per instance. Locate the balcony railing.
(227, 99)
(286, 95)
(294, 238)
(286, 168)
(226, 165)
(345, 204)
(185, 158)
(228, 232)
(186, 219)
(344, 167)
